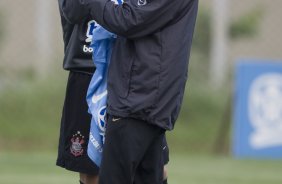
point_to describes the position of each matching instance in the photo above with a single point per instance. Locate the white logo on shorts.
(115, 119)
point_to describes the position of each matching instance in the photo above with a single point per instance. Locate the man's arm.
(72, 11)
(134, 18)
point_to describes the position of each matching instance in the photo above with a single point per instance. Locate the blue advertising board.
(258, 110)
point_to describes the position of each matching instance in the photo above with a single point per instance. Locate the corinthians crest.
(77, 141)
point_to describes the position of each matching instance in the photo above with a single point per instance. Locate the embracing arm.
(72, 11)
(134, 18)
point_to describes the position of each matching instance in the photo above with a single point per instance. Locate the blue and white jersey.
(102, 43)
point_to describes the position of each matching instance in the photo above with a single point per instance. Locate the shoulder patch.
(141, 2)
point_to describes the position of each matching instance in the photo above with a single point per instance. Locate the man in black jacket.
(146, 83)
(77, 33)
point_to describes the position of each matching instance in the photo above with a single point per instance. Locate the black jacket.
(149, 64)
(77, 36)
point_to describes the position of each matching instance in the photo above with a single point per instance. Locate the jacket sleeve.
(134, 18)
(72, 11)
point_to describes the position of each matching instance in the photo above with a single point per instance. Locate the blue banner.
(258, 110)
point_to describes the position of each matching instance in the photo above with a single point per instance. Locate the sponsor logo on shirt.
(90, 28)
(89, 35)
(87, 49)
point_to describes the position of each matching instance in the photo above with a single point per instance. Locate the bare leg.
(165, 173)
(88, 179)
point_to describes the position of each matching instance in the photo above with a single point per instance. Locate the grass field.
(30, 119)
(39, 168)
(31, 113)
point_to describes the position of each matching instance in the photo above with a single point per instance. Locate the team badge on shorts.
(77, 141)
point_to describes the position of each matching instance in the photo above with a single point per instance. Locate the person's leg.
(88, 179)
(150, 169)
(165, 175)
(127, 141)
(165, 160)
(75, 127)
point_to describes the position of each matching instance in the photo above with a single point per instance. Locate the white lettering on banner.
(265, 111)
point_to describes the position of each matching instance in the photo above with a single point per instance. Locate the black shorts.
(75, 126)
(165, 151)
(133, 152)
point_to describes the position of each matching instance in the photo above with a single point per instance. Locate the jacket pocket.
(126, 78)
(121, 67)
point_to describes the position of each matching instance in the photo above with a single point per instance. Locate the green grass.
(39, 168)
(222, 170)
(200, 119)
(30, 112)
(30, 116)
(29, 168)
